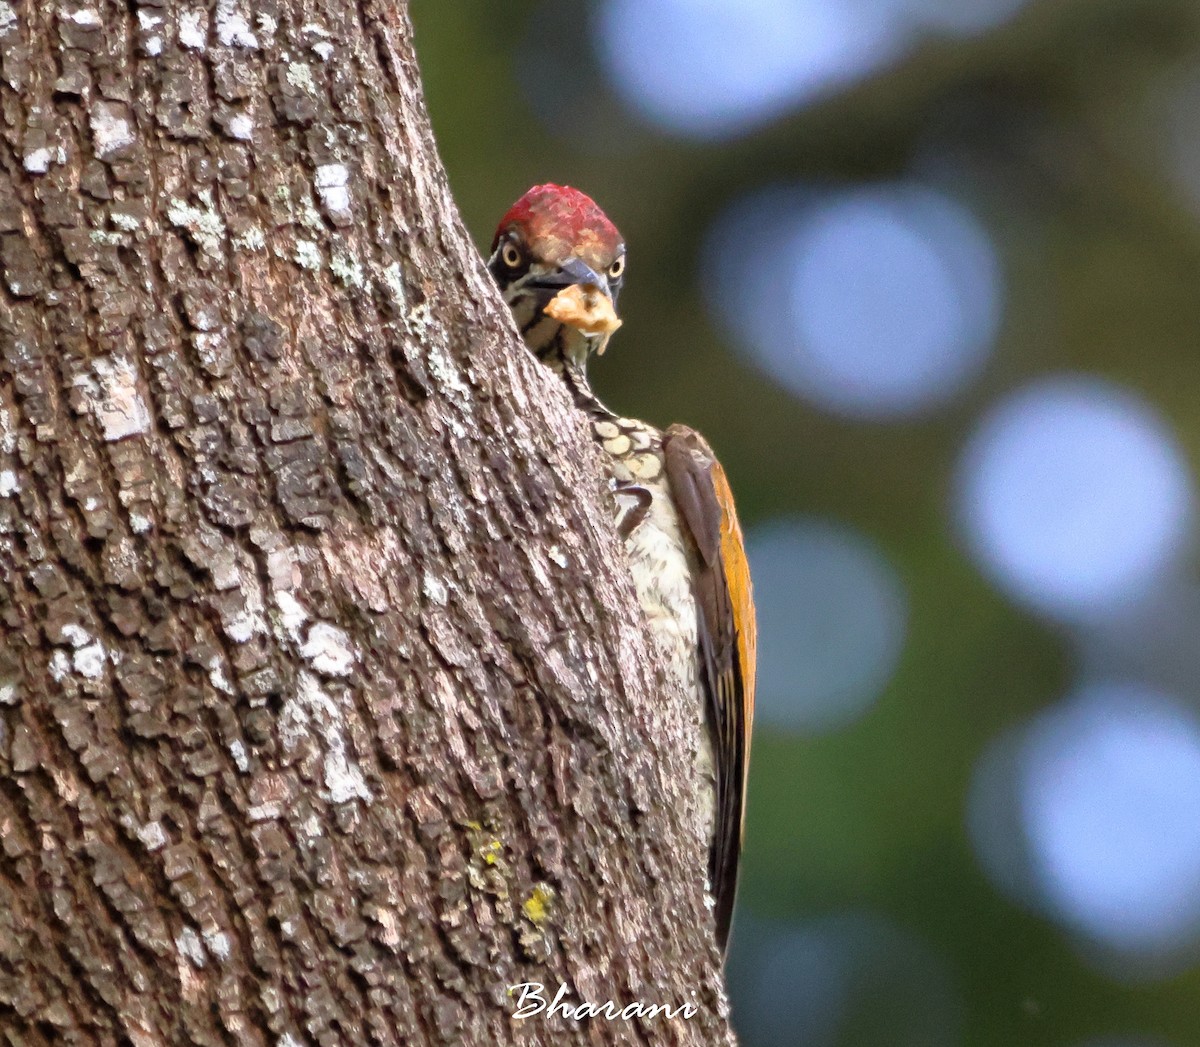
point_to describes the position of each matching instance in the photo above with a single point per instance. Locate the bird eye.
(510, 255)
(617, 268)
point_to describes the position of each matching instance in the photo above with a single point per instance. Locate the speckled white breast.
(660, 561)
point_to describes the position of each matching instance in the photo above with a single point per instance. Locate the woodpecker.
(674, 509)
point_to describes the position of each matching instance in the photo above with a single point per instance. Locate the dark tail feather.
(724, 890)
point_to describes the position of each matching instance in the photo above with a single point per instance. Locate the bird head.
(551, 240)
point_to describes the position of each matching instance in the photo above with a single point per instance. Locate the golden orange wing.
(741, 593)
(728, 640)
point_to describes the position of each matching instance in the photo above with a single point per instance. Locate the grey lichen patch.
(218, 678)
(8, 431)
(85, 17)
(251, 238)
(393, 281)
(298, 99)
(80, 28)
(434, 589)
(112, 395)
(204, 225)
(237, 750)
(193, 29)
(112, 129)
(233, 30)
(202, 311)
(308, 255)
(60, 665)
(218, 942)
(346, 269)
(215, 353)
(152, 835)
(240, 604)
(8, 18)
(292, 614)
(299, 75)
(89, 661)
(420, 319)
(242, 626)
(317, 39)
(313, 716)
(332, 182)
(240, 127)
(328, 650)
(37, 161)
(444, 372)
(307, 215)
(190, 947)
(125, 221)
(283, 570)
(150, 24)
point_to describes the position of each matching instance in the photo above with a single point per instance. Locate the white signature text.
(532, 1001)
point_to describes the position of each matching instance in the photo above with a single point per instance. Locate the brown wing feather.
(728, 640)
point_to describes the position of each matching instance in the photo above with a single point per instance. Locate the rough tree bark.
(324, 711)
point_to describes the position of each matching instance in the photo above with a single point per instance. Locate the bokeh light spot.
(708, 68)
(1110, 795)
(1074, 496)
(872, 303)
(832, 615)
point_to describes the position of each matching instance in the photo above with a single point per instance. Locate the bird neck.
(575, 375)
(568, 353)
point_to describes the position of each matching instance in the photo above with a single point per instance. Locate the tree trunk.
(325, 713)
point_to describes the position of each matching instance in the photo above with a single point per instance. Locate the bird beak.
(573, 271)
(577, 296)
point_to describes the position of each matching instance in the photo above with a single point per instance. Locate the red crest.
(561, 219)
